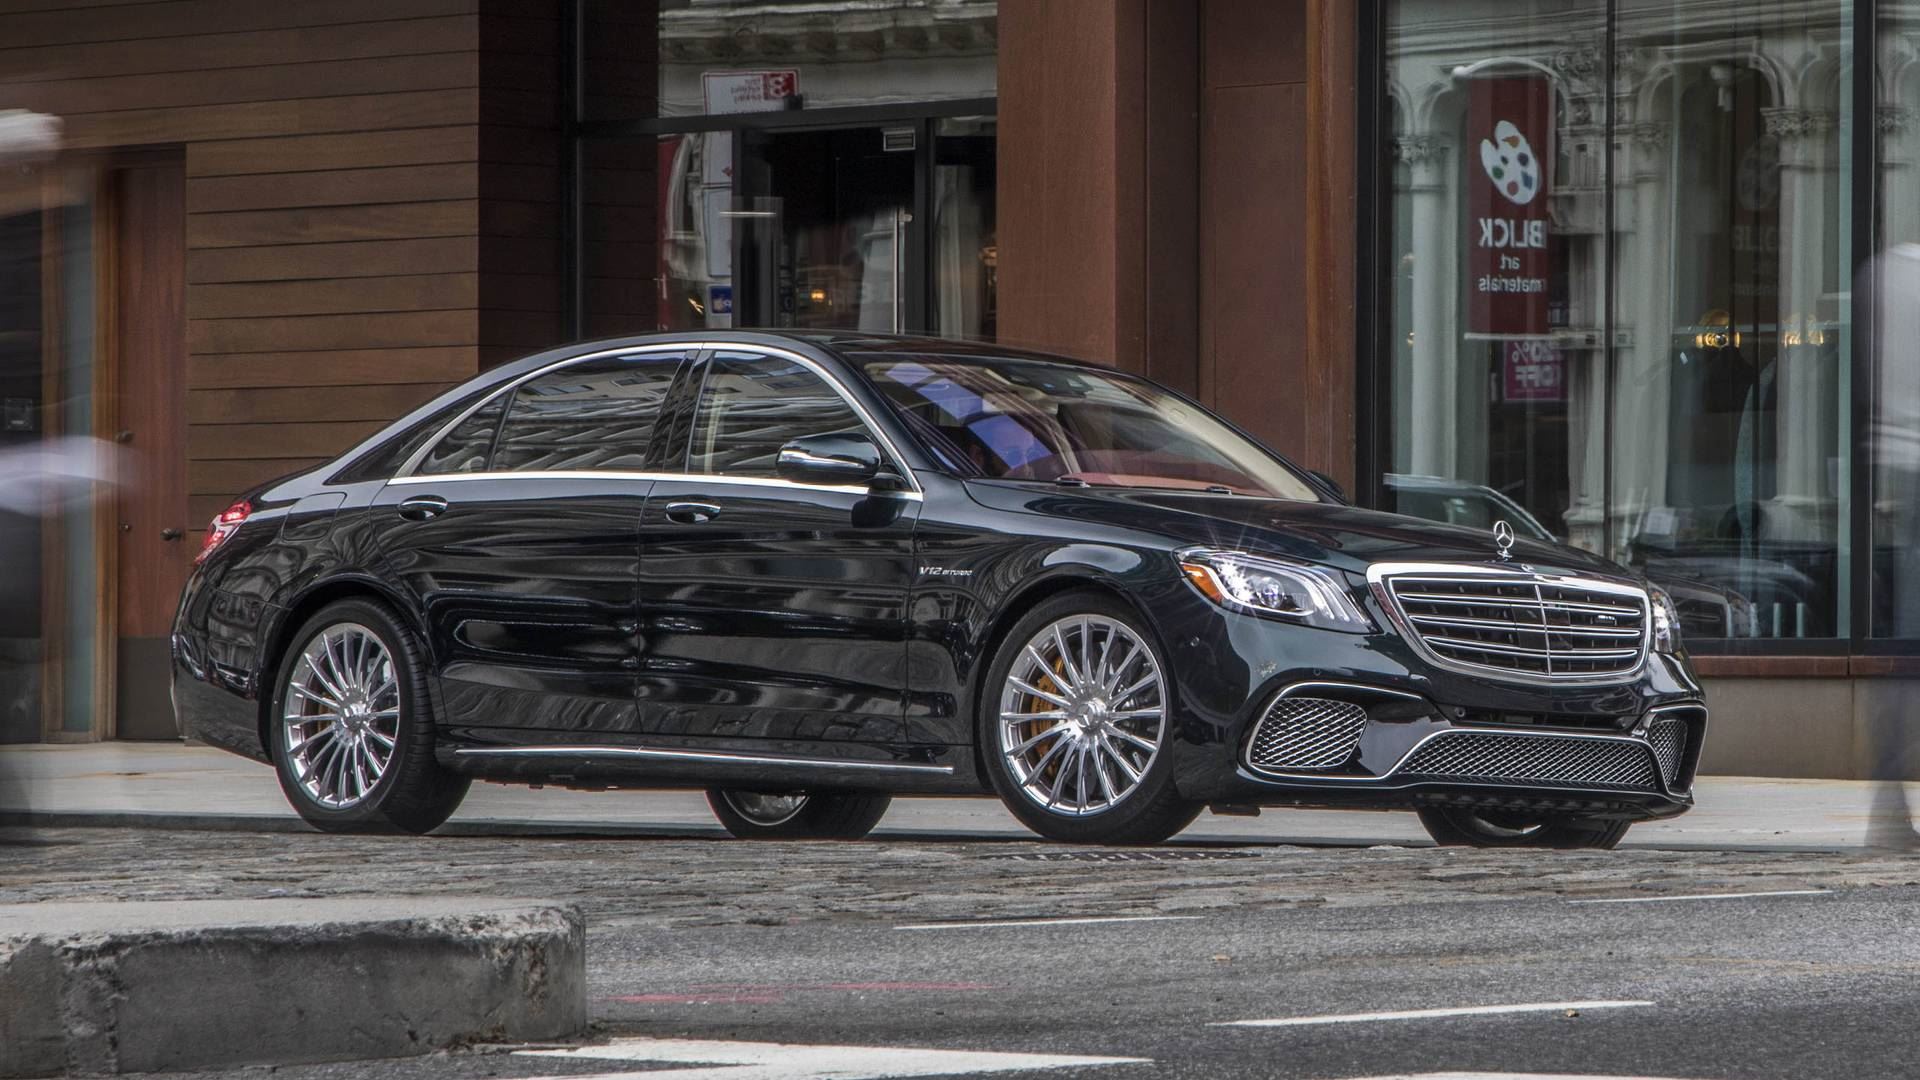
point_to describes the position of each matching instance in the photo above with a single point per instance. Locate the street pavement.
(1764, 944)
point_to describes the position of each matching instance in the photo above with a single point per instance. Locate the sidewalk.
(170, 785)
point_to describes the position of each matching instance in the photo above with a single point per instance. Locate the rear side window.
(465, 448)
(598, 414)
(752, 405)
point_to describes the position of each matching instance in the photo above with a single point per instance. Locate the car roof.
(847, 344)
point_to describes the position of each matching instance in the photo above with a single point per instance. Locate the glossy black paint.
(698, 630)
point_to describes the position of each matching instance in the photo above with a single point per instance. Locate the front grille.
(1669, 739)
(1497, 757)
(1306, 733)
(1527, 625)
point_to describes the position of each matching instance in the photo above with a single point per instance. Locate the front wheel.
(1458, 827)
(797, 815)
(1076, 721)
(351, 735)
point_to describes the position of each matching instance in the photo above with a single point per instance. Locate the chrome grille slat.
(1520, 623)
(1306, 733)
(1525, 628)
(1508, 758)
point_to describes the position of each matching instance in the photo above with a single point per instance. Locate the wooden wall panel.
(372, 195)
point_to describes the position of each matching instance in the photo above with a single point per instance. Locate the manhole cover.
(1124, 856)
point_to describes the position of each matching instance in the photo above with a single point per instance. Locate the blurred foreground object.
(58, 474)
(27, 138)
(1896, 450)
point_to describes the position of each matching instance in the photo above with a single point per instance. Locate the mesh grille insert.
(1533, 759)
(1307, 733)
(1669, 739)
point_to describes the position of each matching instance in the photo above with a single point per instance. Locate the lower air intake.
(1669, 739)
(1307, 733)
(1494, 757)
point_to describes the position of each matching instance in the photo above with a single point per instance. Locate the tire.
(354, 655)
(1454, 827)
(799, 815)
(1094, 765)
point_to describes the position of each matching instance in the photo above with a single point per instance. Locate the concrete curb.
(98, 989)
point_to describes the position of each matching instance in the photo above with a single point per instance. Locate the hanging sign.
(1509, 241)
(748, 91)
(1532, 371)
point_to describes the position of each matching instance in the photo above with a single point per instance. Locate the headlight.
(1266, 586)
(1666, 621)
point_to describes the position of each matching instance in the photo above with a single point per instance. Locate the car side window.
(751, 405)
(597, 414)
(466, 448)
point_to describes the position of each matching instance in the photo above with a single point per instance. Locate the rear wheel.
(1076, 722)
(797, 815)
(351, 735)
(1460, 827)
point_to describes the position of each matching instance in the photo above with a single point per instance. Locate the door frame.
(91, 179)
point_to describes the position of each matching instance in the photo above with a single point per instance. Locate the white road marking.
(1429, 1014)
(1704, 896)
(992, 923)
(1503, 1076)
(783, 1061)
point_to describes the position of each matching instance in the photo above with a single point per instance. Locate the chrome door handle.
(422, 507)
(692, 513)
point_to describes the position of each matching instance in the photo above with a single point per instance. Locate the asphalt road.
(1808, 971)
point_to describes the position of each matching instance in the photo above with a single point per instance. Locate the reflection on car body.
(807, 572)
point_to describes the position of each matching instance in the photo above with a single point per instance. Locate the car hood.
(1329, 534)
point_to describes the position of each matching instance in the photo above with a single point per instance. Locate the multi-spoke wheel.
(1463, 827)
(350, 734)
(1077, 717)
(797, 815)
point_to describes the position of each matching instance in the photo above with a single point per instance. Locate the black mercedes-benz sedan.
(807, 572)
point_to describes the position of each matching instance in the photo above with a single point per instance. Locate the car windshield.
(1033, 420)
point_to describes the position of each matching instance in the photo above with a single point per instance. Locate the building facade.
(1607, 268)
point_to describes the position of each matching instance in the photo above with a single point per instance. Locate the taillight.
(222, 526)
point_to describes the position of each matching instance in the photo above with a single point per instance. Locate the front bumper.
(1277, 714)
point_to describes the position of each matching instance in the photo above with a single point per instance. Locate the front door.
(519, 537)
(153, 554)
(774, 613)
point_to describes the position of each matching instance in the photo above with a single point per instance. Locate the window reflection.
(1650, 356)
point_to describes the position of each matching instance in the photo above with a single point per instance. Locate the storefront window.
(1620, 288)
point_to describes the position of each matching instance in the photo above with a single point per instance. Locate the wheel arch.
(303, 607)
(1078, 577)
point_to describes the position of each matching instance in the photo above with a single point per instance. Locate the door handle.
(422, 507)
(171, 533)
(692, 513)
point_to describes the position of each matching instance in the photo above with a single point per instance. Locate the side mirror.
(1328, 482)
(829, 459)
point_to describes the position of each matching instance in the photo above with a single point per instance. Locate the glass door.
(822, 230)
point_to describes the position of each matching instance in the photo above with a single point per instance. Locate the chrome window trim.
(724, 756)
(874, 430)
(657, 477)
(1378, 573)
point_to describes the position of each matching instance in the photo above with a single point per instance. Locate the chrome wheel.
(768, 810)
(1082, 715)
(340, 718)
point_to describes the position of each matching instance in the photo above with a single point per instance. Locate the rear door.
(775, 613)
(517, 536)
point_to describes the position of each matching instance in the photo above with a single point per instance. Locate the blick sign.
(1509, 245)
